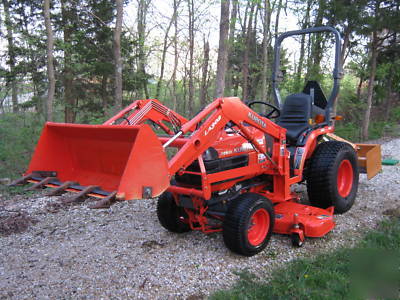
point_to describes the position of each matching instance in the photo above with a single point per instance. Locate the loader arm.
(213, 119)
(141, 111)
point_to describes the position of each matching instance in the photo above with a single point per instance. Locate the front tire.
(248, 224)
(332, 176)
(171, 216)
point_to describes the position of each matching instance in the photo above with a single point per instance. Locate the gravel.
(76, 252)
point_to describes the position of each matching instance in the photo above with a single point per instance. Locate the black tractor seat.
(295, 116)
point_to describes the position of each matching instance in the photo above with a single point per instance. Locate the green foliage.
(18, 135)
(371, 270)
(395, 114)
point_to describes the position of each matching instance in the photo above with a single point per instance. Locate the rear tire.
(248, 224)
(332, 176)
(171, 216)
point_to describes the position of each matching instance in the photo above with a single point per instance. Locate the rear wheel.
(248, 224)
(332, 176)
(171, 216)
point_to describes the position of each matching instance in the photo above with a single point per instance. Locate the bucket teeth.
(79, 197)
(105, 202)
(61, 189)
(40, 184)
(21, 180)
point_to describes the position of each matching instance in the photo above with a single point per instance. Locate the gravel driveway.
(77, 252)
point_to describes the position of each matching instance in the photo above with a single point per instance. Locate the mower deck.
(303, 220)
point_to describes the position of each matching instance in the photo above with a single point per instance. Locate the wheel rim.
(345, 178)
(259, 225)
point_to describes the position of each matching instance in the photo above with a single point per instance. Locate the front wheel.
(171, 216)
(248, 224)
(332, 176)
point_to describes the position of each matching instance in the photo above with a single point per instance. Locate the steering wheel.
(269, 115)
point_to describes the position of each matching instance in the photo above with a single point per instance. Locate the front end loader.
(228, 169)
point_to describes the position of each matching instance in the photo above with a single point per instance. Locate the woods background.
(81, 61)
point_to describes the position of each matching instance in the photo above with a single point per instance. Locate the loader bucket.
(127, 159)
(369, 159)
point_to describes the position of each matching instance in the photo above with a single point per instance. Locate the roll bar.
(337, 70)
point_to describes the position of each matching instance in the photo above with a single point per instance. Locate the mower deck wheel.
(248, 224)
(171, 216)
(296, 240)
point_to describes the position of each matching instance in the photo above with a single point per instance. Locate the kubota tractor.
(228, 169)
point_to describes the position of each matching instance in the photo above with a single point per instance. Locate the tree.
(266, 37)
(382, 23)
(304, 24)
(191, 55)
(117, 55)
(176, 5)
(231, 40)
(164, 50)
(204, 81)
(68, 15)
(50, 61)
(223, 49)
(11, 78)
(143, 6)
(247, 31)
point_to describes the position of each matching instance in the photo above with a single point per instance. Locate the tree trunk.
(103, 92)
(50, 61)
(223, 49)
(174, 96)
(267, 20)
(231, 40)
(278, 13)
(345, 45)
(12, 77)
(305, 25)
(371, 83)
(389, 96)
(141, 28)
(164, 53)
(117, 56)
(204, 81)
(191, 57)
(346, 40)
(359, 86)
(245, 67)
(70, 101)
(317, 45)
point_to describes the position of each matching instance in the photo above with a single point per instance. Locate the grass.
(377, 129)
(371, 270)
(18, 136)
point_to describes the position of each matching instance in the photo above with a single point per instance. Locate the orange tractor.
(228, 169)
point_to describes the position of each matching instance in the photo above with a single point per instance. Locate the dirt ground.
(50, 250)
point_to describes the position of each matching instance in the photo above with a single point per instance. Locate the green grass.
(371, 270)
(377, 129)
(18, 136)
